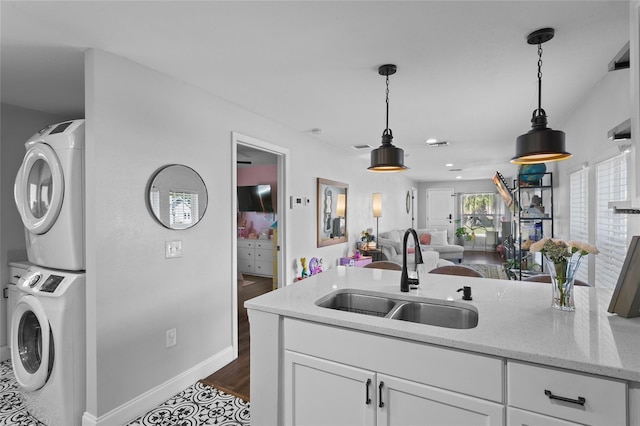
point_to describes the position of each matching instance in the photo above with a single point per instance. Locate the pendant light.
(387, 158)
(540, 144)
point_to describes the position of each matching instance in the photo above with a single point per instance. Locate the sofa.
(430, 240)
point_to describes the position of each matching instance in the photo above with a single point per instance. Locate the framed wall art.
(332, 212)
(626, 296)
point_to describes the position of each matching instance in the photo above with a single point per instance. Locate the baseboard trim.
(156, 396)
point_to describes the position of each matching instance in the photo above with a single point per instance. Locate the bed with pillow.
(430, 240)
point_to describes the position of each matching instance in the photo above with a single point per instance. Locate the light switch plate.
(173, 249)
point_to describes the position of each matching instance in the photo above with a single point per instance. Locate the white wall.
(606, 105)
(18, 125)
(137, 121)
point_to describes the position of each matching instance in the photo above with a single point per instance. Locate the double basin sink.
(430, 313)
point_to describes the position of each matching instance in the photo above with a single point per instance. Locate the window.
(611, 229)
(478, 212)
(578, 215)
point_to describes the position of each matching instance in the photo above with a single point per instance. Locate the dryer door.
(39, 188)
(32, 351)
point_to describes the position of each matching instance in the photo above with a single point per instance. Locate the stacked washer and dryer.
(48, 334)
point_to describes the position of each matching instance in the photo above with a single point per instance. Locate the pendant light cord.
(387, 93)
(539, 112)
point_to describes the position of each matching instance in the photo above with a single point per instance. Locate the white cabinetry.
(322, 386)
(255, 257)
(321, 392)
(564, 395)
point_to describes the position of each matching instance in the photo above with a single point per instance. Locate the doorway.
(267, 231)
(440, 210)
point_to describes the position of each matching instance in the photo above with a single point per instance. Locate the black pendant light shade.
(540, 144)
(387, 157)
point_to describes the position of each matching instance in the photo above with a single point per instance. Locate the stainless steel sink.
(358, 303)
(437, 314)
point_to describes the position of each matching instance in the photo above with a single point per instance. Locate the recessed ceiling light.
(458, 177)
(432, 140)
(448, 165)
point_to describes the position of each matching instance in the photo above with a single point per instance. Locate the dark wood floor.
(234, 377)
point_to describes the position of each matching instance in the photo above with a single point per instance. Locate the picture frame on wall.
(626, 297)
(331, 212)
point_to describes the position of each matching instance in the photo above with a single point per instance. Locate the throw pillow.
(394, 236)
(425, 239)
(439, 238)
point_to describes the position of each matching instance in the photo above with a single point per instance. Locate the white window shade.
(611, 228)
(578, 215)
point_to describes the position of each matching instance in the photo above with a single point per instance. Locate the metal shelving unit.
(533, 219)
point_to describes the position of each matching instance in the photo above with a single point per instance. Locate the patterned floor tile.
(197, 405)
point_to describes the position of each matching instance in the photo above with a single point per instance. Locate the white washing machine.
(49, 194)
(48, 345)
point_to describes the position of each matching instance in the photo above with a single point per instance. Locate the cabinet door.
(526, 418)
(321, 392)
(410, 403)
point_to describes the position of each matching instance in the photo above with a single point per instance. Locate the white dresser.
(255, 257)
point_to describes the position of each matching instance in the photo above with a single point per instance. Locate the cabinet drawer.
(533, 388)
(263, 268)
(246, 266)
(16, 271)
(264, 255)
(246, 254)
(267, 244)
(246, 244)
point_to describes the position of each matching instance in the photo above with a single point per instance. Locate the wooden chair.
(544, 278)
(456, 270)
(384, 264)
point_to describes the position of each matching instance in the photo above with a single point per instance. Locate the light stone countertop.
(516, 320)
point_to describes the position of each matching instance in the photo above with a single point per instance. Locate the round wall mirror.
(177, 196)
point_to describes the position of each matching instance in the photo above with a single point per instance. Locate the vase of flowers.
(563, 260)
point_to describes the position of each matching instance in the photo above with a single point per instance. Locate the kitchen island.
(524, 363)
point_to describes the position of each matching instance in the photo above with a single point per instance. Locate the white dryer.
(49, 194)
(48, 345)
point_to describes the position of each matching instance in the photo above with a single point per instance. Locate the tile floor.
(197, 405)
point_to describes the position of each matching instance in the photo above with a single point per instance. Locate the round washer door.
(32, 350)
(39, 188)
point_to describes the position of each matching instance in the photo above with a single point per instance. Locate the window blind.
(611, 229)
(578, 215)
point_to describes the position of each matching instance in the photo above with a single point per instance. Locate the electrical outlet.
(173, 249)
(171, 337)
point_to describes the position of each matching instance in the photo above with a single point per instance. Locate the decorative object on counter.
(332, 212)
(626, 297)
(541, 143)
(563, 260)
(305, 270)
(356, 254)
(315, 266)
(387, 157)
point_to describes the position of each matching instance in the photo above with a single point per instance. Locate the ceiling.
(465, 72)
